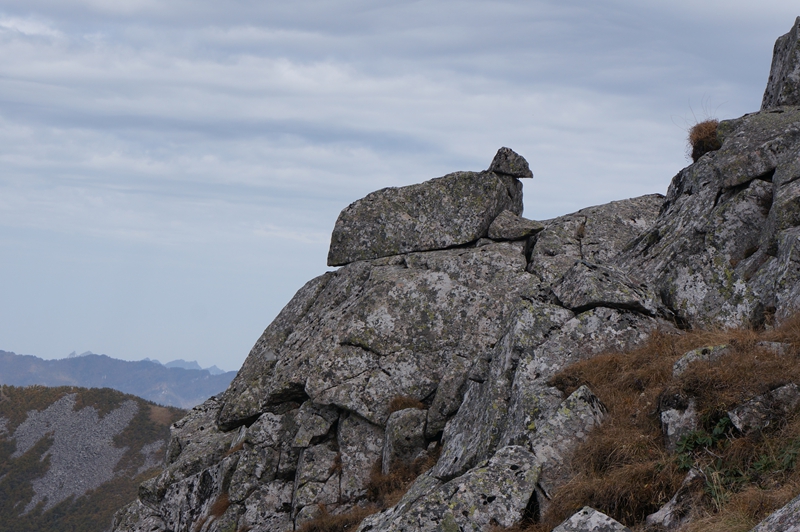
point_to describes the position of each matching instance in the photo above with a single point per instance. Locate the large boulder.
(783, 87)
(448, 211)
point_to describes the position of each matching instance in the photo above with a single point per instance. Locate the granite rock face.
(449, 211)
(441, 299)
(783, 87)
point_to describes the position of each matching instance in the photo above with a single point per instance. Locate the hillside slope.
(171, 386)
(69, 457)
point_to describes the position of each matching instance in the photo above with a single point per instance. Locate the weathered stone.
(595, 234)
(251, 385)
(405, 438)
(441, 213)
(701, 354)
(195, 445)
(541, 342)
(677, 511)
(761, 411)
(317, 478)
(509, 226)
(138, 517)
(586, 286)
(554, 441)
(472, 435)
(314, 421)
(590, 520)
(190, 499)
(269, 509)
(494, 493)
(361, 445)
(449, 395)
(507, 162)
(783, 87)
(713, 252)
(677, 423)
(477, 331)
(786, 519)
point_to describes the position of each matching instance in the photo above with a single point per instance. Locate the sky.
(170, 171)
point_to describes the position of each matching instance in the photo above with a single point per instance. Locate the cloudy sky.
(170, 172)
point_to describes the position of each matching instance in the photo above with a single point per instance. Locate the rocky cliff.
(438, 337)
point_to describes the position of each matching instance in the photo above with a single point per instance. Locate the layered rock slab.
(448, 211)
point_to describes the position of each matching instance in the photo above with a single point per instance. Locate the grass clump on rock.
(703, 138)
(624, 468)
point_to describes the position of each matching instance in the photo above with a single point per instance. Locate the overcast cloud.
(171, 171)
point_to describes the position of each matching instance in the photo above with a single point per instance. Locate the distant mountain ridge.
(171, 384)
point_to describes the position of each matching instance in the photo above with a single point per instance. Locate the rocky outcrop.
(783, 87)
(447, 298)
(449, 211)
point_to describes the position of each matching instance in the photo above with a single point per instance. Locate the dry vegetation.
(624, 470)
(401, 402)
(383, 491)
(703, 138)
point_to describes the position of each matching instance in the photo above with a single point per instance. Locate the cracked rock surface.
(433, 305)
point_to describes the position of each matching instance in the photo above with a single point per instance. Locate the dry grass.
(383, 491)
(401, 402)
(623, 468)
(162, 415)
(220, 506)
(703, 138)
(344, 522)
(235, 449)
(387, 490)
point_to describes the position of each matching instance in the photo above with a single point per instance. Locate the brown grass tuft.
(220, 506)
(383, 491)
(401, 402)
(235, 449)
(703, 138)
(623, 468)
(386, 490)
(344, 522)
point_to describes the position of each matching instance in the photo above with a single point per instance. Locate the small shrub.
(401, 402)
(703, 138)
